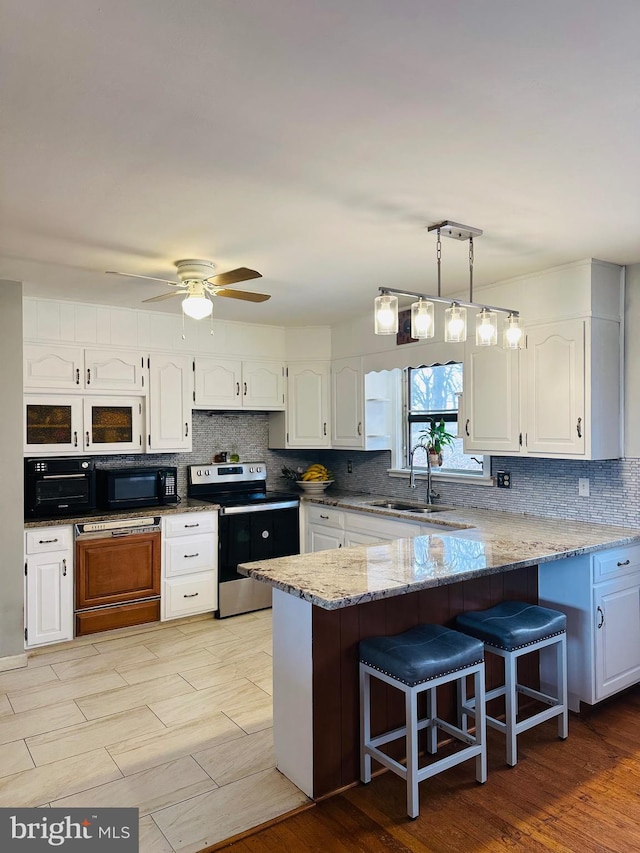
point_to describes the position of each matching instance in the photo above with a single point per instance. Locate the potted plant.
(434, 438)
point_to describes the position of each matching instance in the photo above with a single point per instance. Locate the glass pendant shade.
(386, 314)
(512, 333)
(486, 328)
(422, 319)
(455, 324)
(197, 307)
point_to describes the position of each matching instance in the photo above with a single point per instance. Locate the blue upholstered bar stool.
(512, 629)
(415, 662)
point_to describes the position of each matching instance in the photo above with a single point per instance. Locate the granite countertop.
(185, 505)
(473, 543)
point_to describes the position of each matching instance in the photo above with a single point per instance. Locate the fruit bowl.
(314, 487)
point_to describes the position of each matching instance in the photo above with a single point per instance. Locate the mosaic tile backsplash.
(543, 487)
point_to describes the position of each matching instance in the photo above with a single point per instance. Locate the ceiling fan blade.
(148, 277)
(243, 294)
(166, 295)
(233, 276)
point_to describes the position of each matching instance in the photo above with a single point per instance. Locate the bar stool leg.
(481, 725)
(432, 711)
(365, 724)
(511, 707)
(461, 689)
(411, 706)
(561, 669)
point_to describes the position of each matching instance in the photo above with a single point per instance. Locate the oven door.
(247, 536)
(59, 494)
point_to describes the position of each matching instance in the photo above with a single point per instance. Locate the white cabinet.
(567, 379)
(170, 394)
(360, 407)
(234, 384)
(306, 420)
(48, 585)
(491, 418)
(65, 425)
(53, 367)
(189, 564)
(328, 528)
(115, 370)
(601, 598)
(61, 368)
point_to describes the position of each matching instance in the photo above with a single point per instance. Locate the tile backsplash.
(545, 487)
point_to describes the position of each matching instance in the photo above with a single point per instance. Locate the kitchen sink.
(405, 506)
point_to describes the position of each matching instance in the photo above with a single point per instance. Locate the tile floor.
(174, 719)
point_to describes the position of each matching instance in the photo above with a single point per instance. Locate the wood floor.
(581, 795)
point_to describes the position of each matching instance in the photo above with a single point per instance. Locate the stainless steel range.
(253, 524)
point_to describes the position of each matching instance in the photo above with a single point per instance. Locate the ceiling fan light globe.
(197, 307)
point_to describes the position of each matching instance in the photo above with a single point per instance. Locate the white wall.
(11, 465)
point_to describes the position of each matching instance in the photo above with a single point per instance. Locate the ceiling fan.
(198, 283)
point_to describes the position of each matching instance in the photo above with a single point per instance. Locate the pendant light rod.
(447, 300)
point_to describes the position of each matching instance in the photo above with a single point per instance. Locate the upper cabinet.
(305, 423)
(170, 394)
(559, 397)
(491, 419)
(64, 425)
(231, 383)
(360, 407)
(61, 368)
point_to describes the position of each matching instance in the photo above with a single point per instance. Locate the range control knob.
(84, 464)
(251, 470)
(199, 473)
(207, 472)
(258, 469)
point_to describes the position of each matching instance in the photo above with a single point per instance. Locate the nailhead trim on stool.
(510, 630)
(415, 662)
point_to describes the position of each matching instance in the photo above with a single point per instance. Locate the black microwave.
(127, 488)
(59, 486)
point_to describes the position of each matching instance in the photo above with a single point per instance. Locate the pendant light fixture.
(455, 328)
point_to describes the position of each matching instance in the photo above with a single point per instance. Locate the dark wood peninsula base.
(316, 701)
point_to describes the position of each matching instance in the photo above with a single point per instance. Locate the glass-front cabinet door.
(52, 425)
(113, 424)
(62, 425)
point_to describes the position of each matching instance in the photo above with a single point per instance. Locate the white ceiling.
(313, 140)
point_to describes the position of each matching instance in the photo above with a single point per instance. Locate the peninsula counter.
(324, 603)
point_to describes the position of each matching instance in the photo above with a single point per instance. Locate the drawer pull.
(197, 524)
(601, 612)
(191, 595)
(626, 563)
(47, 541)
(64, 568)
(324, 516)
(189, 556)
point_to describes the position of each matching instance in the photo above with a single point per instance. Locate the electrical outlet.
(583, 487)
(503, 479)
(349, 467)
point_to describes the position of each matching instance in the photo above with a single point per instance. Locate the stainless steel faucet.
(431, 495)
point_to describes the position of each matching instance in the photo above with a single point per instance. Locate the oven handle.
(236, 510)
(64, 476)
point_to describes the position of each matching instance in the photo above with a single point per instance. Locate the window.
(431, 395)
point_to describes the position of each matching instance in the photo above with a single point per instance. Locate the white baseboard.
(13, 662)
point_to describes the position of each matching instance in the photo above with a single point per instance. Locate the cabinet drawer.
(186, 524)
(385, 527)
(325, 515)
(49, 539)
(616, 562)
(187, 554)
(189, 595)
